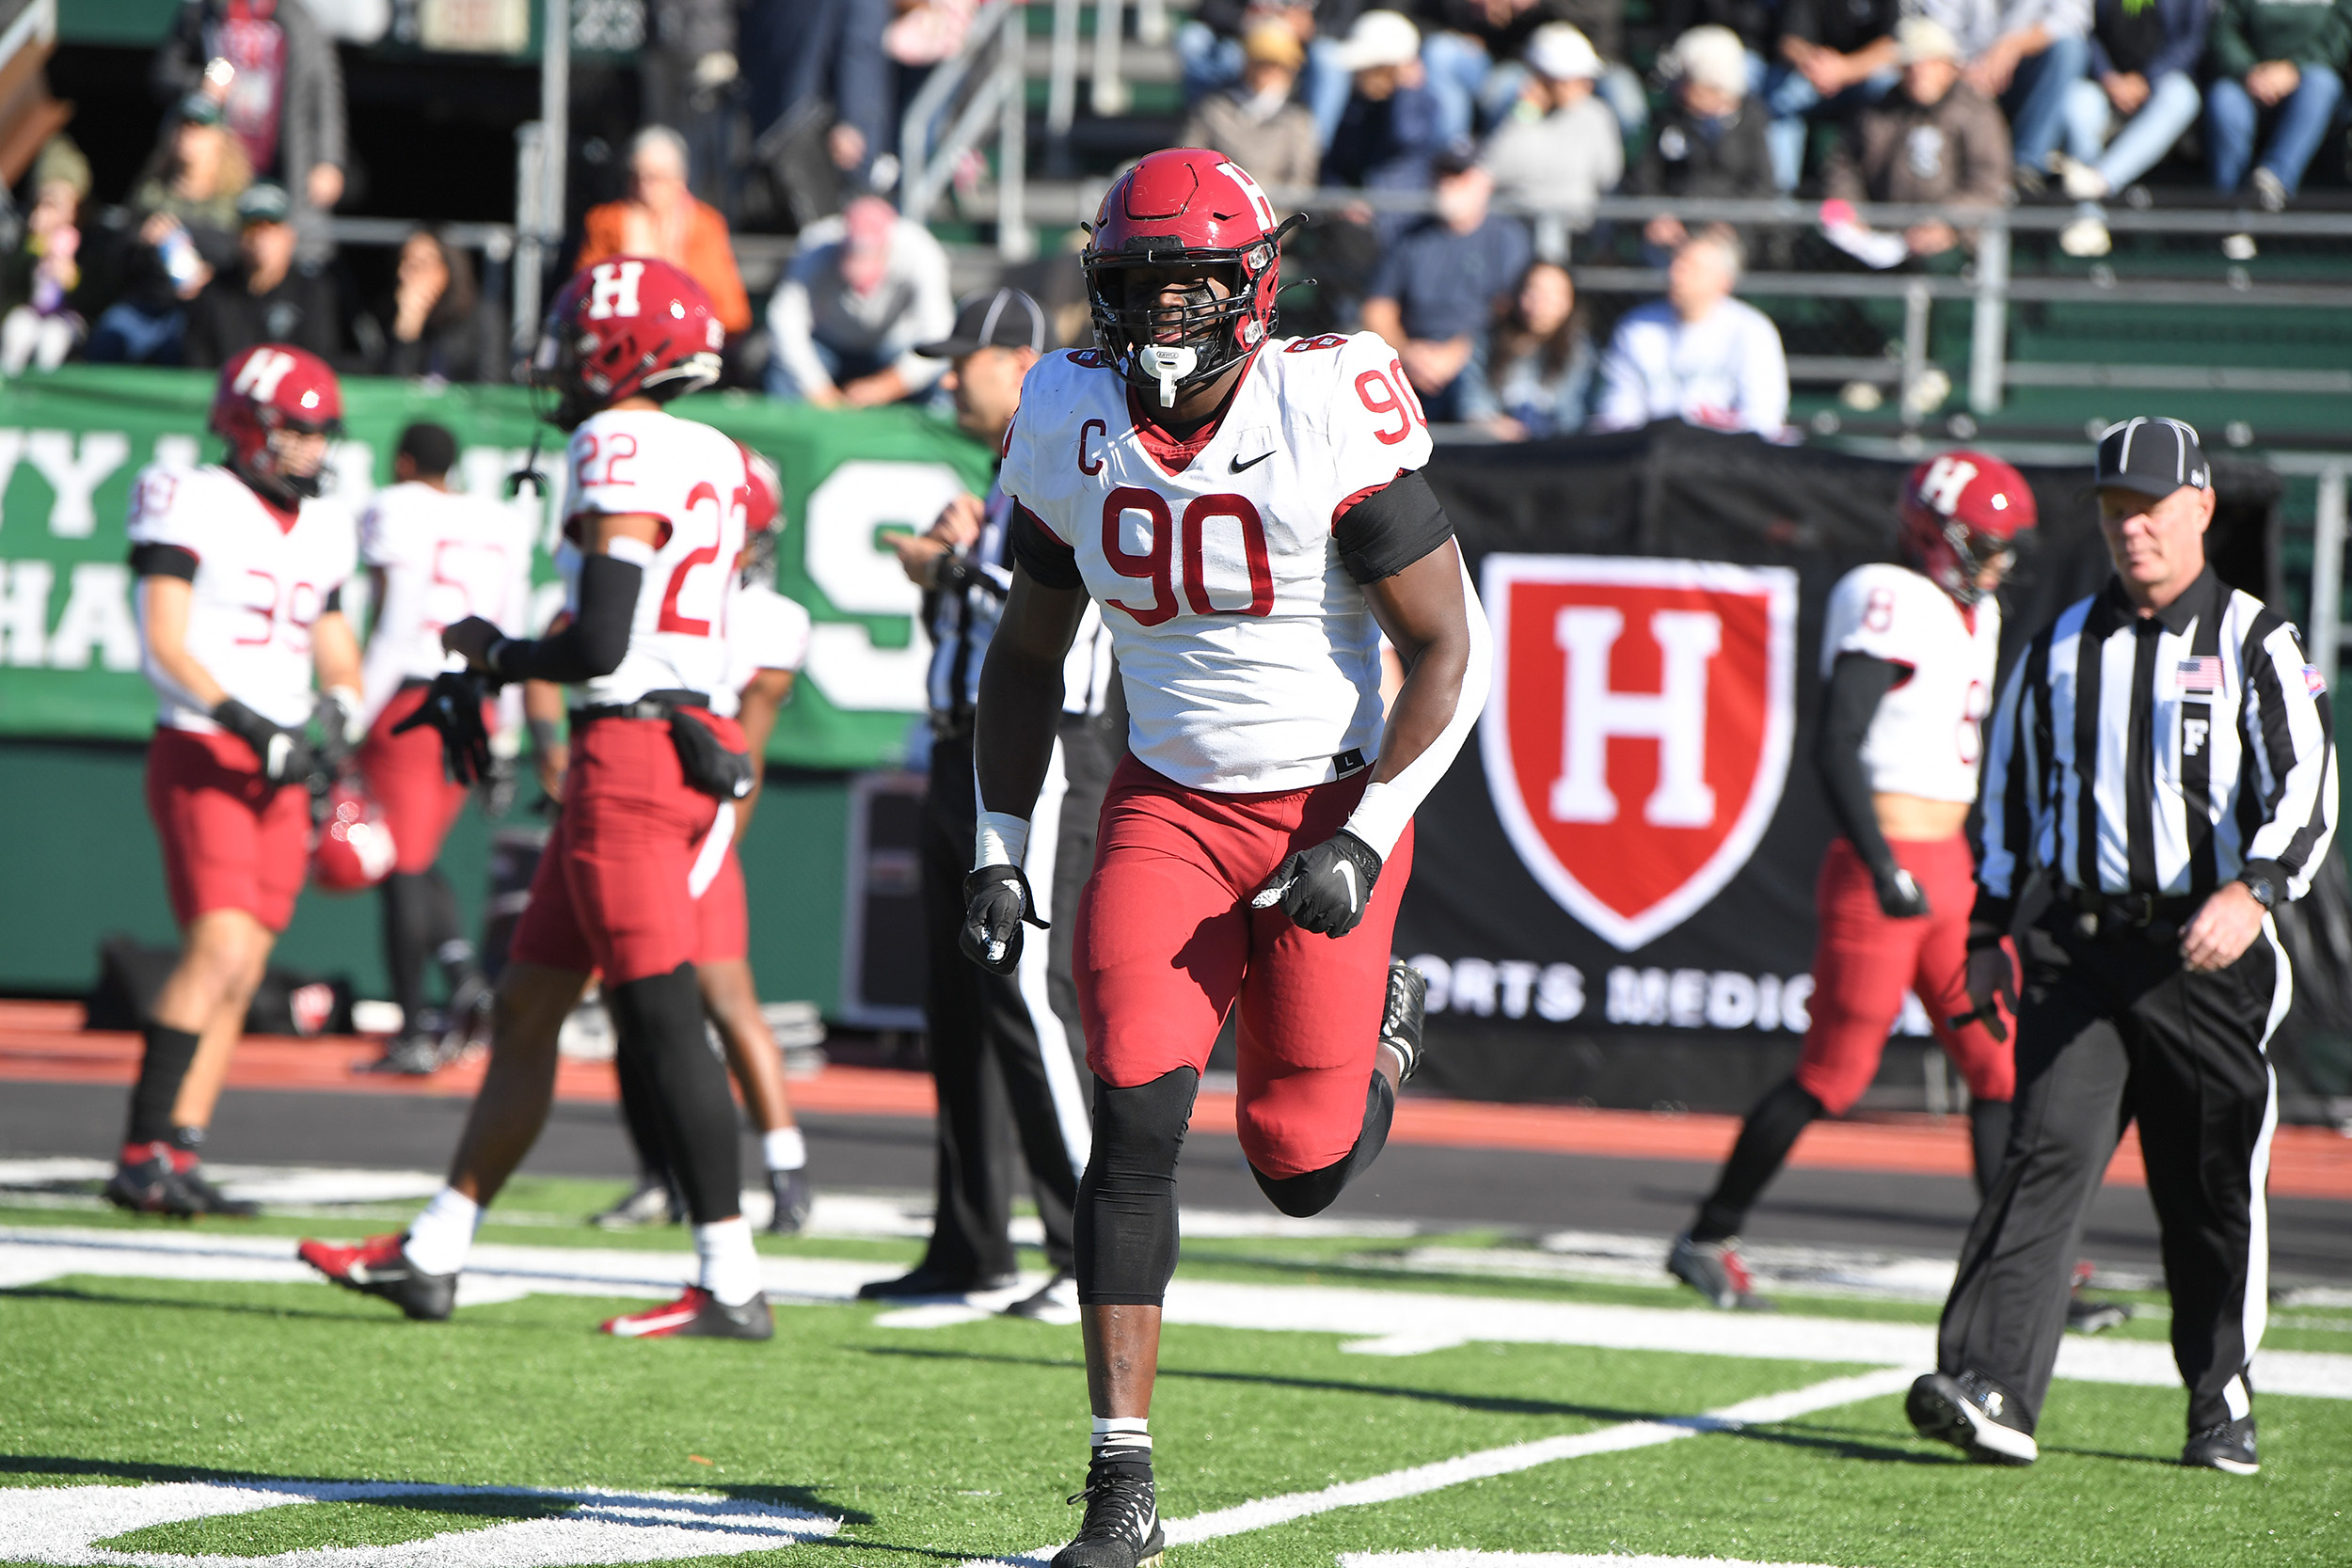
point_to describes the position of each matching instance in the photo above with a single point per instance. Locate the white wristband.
(1003, 839)
(355, 723)
(1380, 817)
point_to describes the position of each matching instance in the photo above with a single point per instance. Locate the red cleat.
(379, 1267)
(697, 1315)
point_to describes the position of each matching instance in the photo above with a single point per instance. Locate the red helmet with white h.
(1193, 210)
(634, 326)
(1961, 512)
(264, 395)
(763, 518)
(354, 847)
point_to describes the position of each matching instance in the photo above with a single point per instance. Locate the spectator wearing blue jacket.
(2142, 86)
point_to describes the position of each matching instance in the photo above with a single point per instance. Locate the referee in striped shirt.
(2162, 757)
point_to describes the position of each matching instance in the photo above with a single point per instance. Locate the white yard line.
(1266, 1512)
(1462, 1557)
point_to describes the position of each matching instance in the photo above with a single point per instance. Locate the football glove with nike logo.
(284, 755)
(996, 901)
(1325, 889)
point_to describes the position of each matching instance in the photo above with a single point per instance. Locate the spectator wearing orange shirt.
(662, 217)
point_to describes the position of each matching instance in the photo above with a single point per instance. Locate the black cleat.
(650, 1203)
(2090, 1315)
(794, 1199)
(1973, 1415)
(1400, 1020)
(212, 1200)
(1123, 1522)
(697, 1315)
(1716, 1271)
(412, 1056)
(150, 1185)
(924, 1280)
(2226, 1445)
(1055, 1302)
(379, 1267)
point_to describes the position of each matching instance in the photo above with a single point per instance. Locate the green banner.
(70, 443)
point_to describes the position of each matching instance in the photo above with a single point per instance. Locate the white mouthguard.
(1168, 366)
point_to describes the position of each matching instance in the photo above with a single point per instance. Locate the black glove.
(1325, 889)
(452, 706)
(284, 755)
(335, 725)
(1991, 978)
(996, 901)
(1900, 898)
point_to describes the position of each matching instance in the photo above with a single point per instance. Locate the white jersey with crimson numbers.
(445, 556)
(1926, 739)
(1250, 656)
(765, 631)
(259, 583)
(644, 461)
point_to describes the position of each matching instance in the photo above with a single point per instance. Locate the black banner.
(1612, 890)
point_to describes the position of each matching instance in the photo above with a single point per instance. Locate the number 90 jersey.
(1250, 656)
(693, 479)
(1926, 737)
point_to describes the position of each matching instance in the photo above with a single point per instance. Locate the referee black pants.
(2110, 1032)
(1005, 1043)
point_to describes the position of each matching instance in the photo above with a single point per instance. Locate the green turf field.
(954, 1443)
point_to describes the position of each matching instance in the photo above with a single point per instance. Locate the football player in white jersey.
(658, 507)
(434, 556)
(241, 568)
(1908, 655)
(1249, 514)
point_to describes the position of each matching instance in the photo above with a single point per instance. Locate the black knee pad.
(658, 1021)
(1313, 1192)
(1125, 1229)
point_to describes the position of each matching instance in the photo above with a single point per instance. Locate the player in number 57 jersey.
(1249, 514)
(1908, 655)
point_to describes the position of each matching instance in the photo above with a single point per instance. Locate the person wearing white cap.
(1710, 139)
(1836, 55)
(1561, 148)
(2024, 55)
(1390, 128)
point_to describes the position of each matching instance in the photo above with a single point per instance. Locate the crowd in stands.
(1482, 132)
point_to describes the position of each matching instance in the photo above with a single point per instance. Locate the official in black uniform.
(2162, 754)
(998, 1040)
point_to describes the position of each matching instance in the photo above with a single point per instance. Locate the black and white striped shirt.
(2159, 756)
(962, 620)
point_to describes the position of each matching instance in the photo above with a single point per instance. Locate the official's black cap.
(2154, 456)
(994, 318)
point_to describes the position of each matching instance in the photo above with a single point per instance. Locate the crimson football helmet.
(763, 518)
(1185, 208)
(631, 325)
(266, 393)
(353, 847)
(1962, 512)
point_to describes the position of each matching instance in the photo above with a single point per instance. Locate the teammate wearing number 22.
(1908, 653)
(1249, 512)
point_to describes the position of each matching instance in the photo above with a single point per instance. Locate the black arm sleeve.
(596, 639)
(1856, 684)
(1049, 560)
(334, 600)
(163, 560)
(1391, 528)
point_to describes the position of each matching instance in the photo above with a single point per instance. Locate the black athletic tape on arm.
(1050, 563)
(1391, 528)
(594, 641)
(163, 560)
(1857, 683)
(334, 601)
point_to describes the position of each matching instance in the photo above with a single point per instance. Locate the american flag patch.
(2198, 675)
(2313, 682)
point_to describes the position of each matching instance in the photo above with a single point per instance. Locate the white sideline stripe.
(1266, 1512)
(1386, 1322)
(1451, 1557)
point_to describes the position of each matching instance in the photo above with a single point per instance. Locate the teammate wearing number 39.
(1249, 514)
(1908, 653)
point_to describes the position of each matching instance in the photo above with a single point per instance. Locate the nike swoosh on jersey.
(1239, 465)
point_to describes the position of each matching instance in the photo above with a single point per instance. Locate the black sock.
(660, 1019)
(1313, 1192)
(639, 1119)
(1987, 1139)
(163, 1068)
(408, 940)
(451, 950)
(1771, 1130)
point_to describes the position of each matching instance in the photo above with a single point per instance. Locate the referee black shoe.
(1401, 1017)
(1973, 1415)
(2226, 1445)
(1123, 1522)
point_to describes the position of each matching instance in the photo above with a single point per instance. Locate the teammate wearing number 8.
(1249, 514)
(1908, 653)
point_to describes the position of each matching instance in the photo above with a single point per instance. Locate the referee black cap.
(2154, 456)
(993, 318)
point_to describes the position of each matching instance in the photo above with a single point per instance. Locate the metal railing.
(985, 82)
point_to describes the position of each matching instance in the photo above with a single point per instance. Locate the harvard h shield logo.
(1638, 735)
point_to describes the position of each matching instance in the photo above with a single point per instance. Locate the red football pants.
(405, 776)
(1167, 944)
(1863, 962)
(231, 840)
(611, 893)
